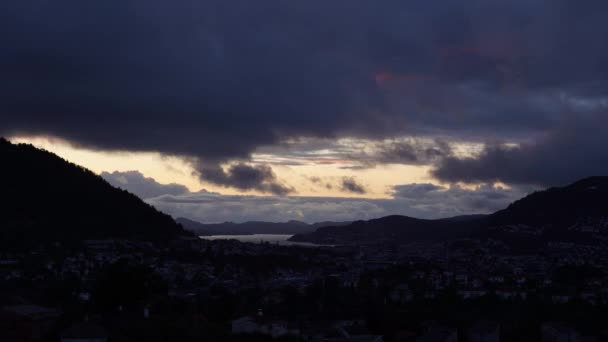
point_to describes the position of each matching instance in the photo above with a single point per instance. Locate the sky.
(233, 110)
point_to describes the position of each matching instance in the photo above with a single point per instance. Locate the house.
(264, 326)
(101, 245)
(557, 332)
(401, 294)
(511, 294)
(560, 299)
(26, 322)
(484, 331)
(467, 294)
(439, 335)
(348, 331)
(85, 332)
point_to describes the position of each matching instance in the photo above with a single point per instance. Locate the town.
(226, 290)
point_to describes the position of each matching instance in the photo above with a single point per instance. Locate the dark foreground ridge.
(554, 214)
(46, 198)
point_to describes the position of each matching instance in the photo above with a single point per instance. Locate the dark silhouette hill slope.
(558, 206)
(392, 229)
(45, 198)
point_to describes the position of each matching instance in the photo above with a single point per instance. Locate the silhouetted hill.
(390, 229)
(577, 213)
(253, 227)
(572, 213)
(45, 198)
(558, 207)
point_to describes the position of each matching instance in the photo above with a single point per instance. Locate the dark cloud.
(319, 181)
(408, 152)
(315, 179)
(218, 79)
(244, 177)
(358, 154)
(413, 152)
(144, 187)
(574, 151)
(199, 65)
(350, 184)
(177, 78)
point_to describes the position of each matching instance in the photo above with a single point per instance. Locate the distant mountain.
(45, 198)
(253, 227)
(571, 213)
(195, 227)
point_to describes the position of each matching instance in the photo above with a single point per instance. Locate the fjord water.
(278, 239)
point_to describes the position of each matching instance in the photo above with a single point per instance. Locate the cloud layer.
(417, 200)
(144, 187)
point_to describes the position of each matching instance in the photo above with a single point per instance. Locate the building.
(26, 322)
(348, 331)
(433, 332)
(261, 325)
(557, 332)
(85, 332)
(484, 331)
